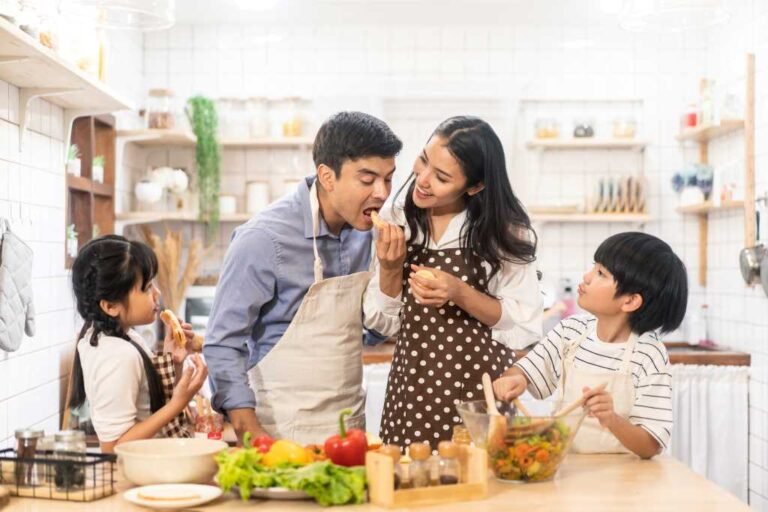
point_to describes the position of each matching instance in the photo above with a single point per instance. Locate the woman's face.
(440, 180)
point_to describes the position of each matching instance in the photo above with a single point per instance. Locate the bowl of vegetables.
(522, 448)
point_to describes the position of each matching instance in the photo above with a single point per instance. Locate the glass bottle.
(419, 466)
(159, 110)
(448, 466)
(26, 447)
(69, 453)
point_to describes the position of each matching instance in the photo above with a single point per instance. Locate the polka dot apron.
(440, 357)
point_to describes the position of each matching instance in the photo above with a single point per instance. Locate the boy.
(636, 286)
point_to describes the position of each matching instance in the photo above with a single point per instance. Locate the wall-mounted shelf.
(707, 207)
(39, 72)
(706, 133)
(152, 138)
(597, 218)
(129, 218)
(586, 143)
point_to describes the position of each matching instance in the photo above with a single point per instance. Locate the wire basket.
(88, 478)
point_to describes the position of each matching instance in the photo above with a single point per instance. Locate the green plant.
(71, 232)
(73, 153)
(98, 161)
(201, 112)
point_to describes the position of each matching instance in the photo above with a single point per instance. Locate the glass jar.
(461, 435)
(448, 466)
(624, 127)
(258, 114)
(547, 128)
(393, 451)
(26, 448)
(278, 116)
(583, 128)
(160, 109)
(292, 126)
(69, 451)
(419, 470)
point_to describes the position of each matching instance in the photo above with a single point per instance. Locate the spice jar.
(461, 435)
(419, 470)
(69, 453)
(26, 447)
(159, 109)
(393, 451)
(448, 466)
(547, 128)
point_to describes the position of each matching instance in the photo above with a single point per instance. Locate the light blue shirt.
(267, 271)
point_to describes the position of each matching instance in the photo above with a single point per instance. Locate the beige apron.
(315, 370)
(592, 437)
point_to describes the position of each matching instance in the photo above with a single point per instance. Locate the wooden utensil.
(538, 426)
(497, 427)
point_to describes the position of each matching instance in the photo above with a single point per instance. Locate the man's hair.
(643, 264)
(353, 135)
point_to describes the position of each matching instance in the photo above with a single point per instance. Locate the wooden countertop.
(679, 353)
(589, 483)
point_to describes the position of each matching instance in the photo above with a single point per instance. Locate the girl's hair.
(497, 227)
(108, 268)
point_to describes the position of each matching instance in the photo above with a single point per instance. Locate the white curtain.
(712, 423)
(375, 385)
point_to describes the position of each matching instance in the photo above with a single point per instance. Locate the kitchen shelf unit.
(91, 204)
(591, 218)
(131, 218)
(153, 138)
(586, 143)
(707, 133)
(39, 72)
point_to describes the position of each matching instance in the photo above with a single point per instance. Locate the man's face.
(362, 187)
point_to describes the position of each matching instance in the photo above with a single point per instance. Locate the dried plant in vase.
(173, 283)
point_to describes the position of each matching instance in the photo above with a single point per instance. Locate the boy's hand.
(508, 388)
(599, 404)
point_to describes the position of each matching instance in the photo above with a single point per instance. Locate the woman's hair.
(643, 264)
(497, 227)
(108, 268)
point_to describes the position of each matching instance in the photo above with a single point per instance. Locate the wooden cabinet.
(91, 204)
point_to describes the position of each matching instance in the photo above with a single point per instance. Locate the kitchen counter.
(679, 353)
(589, 483)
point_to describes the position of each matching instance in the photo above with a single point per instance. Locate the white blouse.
(517, 286)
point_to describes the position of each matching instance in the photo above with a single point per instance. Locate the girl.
(464, 226)
(130, 392)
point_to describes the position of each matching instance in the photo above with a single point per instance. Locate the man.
(285, 335)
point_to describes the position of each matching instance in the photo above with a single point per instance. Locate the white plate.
(172, 496)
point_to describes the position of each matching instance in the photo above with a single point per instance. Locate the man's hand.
(245, 420)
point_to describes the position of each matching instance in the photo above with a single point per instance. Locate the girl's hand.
(599, 404)
(192, 379)
(508, 388)
(390, 247)
(178, 354)
(433, 291)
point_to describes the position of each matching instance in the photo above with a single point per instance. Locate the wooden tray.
(381, 481)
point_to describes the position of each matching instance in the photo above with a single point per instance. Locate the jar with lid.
(26, 448)
(393, 451)
(292, 126)
(160, 109)
(448, 469)
(583, 128)
(547, 128)
(69, 451)
(258, 114)
(624, 127)
(239, 122)
(461, 435)
(419, 470)
(279, 114)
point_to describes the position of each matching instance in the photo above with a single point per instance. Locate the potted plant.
(202, 116)
(73, 160)
(72, 241)
(97, 169)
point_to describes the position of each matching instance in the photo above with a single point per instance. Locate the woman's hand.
(433, 291)
(192, 379)
(390, 248)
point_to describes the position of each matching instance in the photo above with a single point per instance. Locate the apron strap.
(314, 204)
(626, 359)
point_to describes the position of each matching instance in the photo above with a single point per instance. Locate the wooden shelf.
(79, 183)
(152, 138)
(705, 133)
(634, 218)
(128, 218)
(707, 207)
(587, 143)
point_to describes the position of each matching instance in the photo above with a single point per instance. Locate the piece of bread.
(377, 220)
(426, 274)
(197, 343)
(177, 332)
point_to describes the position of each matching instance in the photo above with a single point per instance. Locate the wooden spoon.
(497, 426)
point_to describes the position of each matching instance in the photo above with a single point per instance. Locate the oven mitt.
(17, 314)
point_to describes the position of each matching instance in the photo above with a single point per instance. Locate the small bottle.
(461, 435)
(419, 467)
(69, 450)
(448, 467)
(567, 299)
(392, 450)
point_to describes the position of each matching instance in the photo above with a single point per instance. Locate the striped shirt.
(651, 375)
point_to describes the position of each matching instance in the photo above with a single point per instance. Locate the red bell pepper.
(348, 447)
(262, 443)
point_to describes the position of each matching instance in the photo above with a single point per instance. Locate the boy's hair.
(352, 135)
(643, 264)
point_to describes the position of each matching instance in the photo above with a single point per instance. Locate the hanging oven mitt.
(17, 314)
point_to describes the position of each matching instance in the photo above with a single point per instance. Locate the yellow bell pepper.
(285, 451)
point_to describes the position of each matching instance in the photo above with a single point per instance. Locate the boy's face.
(597, 292)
